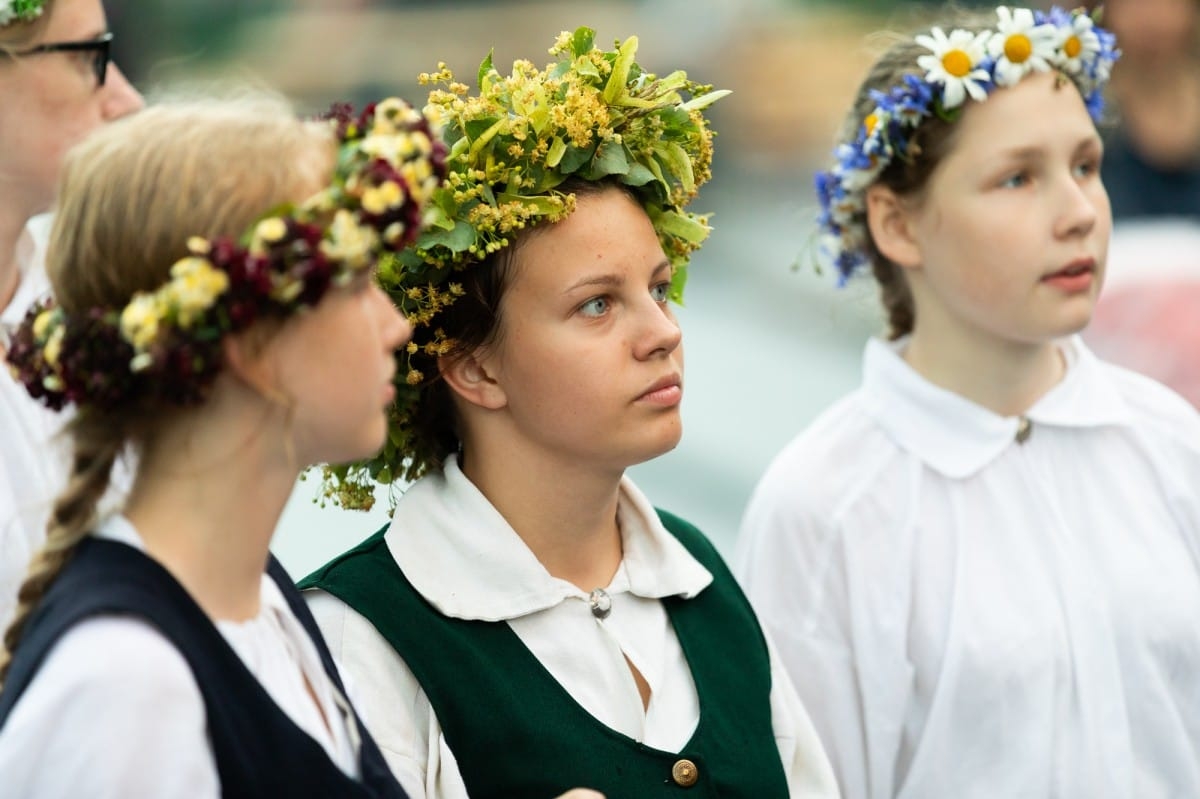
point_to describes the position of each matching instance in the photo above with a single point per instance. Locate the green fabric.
(516, 732)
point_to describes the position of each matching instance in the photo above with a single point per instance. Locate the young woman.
(529, 620)
(56, 85)
(981, 568)
(213, 268)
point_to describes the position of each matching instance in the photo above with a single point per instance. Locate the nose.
(397, 330)
(659, 334)
(1083, 201)
(120, 98)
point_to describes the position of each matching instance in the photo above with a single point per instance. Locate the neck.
(11, 226)
(566, 513)
(1003, 376)
(206, 501)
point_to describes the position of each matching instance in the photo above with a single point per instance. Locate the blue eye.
(1015, 181)
(1087, 168)
(659, 291)
(596, 306)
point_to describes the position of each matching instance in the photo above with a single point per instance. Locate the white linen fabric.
(464, 558)
(115, 712)
(966, 615)
(33, 460)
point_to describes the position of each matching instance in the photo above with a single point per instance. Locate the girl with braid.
(213, 265)
(982, 568)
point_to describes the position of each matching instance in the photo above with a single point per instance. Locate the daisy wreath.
(592, 114)
(164, 345)
(959, 66)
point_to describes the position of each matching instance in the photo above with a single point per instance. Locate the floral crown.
(20, 11)
(594, 115)
(961, 65)
(164, 345)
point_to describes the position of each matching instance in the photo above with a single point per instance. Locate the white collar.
(464, 558)
(957, 437)
(32, 282)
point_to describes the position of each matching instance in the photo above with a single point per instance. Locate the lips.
(665, 391)
(1076, 268)
(1074, 278)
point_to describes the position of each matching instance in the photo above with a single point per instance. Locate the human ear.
(471, 378)
(247, 359)
(890, 223)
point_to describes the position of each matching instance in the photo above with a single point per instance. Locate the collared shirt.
(33, 459)
(115, 707)
(972, 612)
(463, 557)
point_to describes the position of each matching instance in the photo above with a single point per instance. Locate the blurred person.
(56, 85)
(529, 620)
(215, 304)
(982, 568)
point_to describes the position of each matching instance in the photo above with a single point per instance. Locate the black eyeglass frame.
(101, 46)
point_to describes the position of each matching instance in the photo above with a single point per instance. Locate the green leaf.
(574, 158)
(620, 73)
(610, 159)
(457, 239)
(484, 68)
(692, 228)
(582, 41)
(638, 175)
(557, 148)
(584, 66)
(704, 100)
(540, 204)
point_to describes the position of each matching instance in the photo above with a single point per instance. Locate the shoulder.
(1155, 408)
(114, 706)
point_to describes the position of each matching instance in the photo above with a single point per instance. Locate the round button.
(685, 773)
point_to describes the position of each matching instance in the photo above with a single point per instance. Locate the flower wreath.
(164, 345)
(959, 66)
(20, 11)
(592, 114)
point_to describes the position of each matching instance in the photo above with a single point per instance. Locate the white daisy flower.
(1021, 46)
(954, 63)
(1078, 44)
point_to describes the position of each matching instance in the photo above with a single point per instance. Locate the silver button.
(601, 603)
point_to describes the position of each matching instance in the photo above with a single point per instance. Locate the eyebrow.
(611, 280)
(1092, 140)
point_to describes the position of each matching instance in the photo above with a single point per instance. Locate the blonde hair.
(130, 196)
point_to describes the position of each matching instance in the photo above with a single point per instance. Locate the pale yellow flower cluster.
(349, 242)
(194, 287)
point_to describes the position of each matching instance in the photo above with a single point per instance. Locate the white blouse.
(966, 615)
(483, 570)
(115, 712)
(33, 462)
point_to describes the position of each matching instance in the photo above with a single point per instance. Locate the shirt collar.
(464, 558)
(955, 436)
(32, 283)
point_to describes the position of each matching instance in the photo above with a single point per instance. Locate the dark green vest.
(516, 732)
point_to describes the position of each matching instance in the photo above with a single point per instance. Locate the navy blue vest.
(259, 751)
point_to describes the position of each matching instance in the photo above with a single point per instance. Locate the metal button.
(1024, 429)
(685, 773)
(601, 603)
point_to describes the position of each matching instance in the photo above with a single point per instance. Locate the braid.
(97, 443)
(895, 296)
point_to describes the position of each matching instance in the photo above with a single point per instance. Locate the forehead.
(1043, 111)
(74, 19)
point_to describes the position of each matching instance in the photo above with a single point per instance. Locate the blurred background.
(769, 341)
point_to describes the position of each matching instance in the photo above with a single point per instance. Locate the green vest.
(517, 734)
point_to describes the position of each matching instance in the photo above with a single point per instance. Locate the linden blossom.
(961, 65)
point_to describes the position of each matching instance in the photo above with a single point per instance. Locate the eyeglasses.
(98, 47)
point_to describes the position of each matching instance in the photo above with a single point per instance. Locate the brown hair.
(130, 196)
(473, 321)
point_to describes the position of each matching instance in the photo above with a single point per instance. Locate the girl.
(56, 85)
(528, 620)
(162, 652)
(981, 567)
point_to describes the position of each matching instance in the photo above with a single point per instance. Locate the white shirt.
(968, 616)
(114, 712)
(34, 452)
(481, 569)
(33, 460)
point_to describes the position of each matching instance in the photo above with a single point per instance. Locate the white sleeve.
(392, 703)
(114, 712)
(809, 773)
(793, 566)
